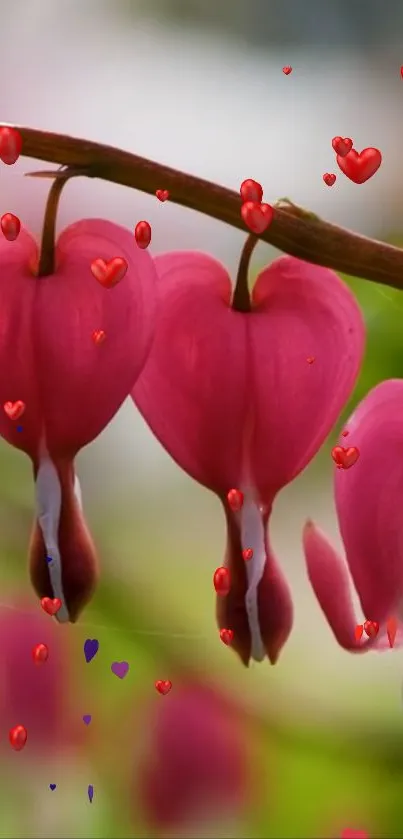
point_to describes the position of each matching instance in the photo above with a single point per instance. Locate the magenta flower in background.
(197, 767)
(368, 503)
(71, 386)
(38, 696)
(238, 403)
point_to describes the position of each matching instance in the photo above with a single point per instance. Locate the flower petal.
(369, 499)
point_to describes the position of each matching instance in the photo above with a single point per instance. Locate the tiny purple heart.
(91, 648)
(52, 786)
(120, 669)
(87, 718)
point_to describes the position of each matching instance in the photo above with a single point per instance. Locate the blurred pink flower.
(32, 695)
(197, 764)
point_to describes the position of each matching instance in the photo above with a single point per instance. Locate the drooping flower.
(368, 503)
(70, 385)
(231, 396)
(197, 766)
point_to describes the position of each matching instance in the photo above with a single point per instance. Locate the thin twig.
(293, 230)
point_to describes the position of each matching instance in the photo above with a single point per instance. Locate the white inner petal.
(77, 492)
(49, 504)
(252, 536)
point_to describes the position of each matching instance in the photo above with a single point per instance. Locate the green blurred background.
(199, 86)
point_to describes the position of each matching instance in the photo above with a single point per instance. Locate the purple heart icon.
(52, 786)
(120, 669)
(91, 648)
(87, 718)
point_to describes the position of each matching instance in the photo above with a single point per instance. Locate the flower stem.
(241, 299)
(292, 230)
(46, 264)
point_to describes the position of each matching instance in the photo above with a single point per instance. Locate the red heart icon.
(287, 70)
(342, 146)
(371, 628)
(51, 606)
(391, 627)
(163, 687)
(235, 499)
(40, 653)
(329, 178)
(10, 226)
(345, 458)
(358, 631)
(247, 554)
(251, 191)
(257, 216)
(98, 336)
(14, 410)
(17, 737)
(162, 194)
(311, 359)
(109, 273)
(142, 234)
(10, 145)
(226, 636)
(222, 581)
(360, 166)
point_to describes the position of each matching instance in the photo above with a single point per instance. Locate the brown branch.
(293, 230)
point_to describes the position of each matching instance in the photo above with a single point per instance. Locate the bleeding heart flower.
(370, 526)
(225, 394)
(69, 388)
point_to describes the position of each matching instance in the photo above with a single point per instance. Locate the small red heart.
(358, 631)
(163, 687)
(51, 606)
(391, 627)
(247, 554)
(40, 653)
(360, 166)
(257, 216)
(226, 636)
(311, 359)
(222, 581)
(371, 628)
(287, 70)
(17, 737)
(235, 500)
(109, 273)
(10, 226)
(142, 234)
(10, 145)
(345, 458)
(329, 178)
(98, 336)
(345, 433)
(162, 194)
(342, 147)
(14, 410)
(251, 191)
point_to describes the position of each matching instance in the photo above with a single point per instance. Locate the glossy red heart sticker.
(40, 653)
(163, 687)
(342, 146)
(345, 458)
(358, 631)
(360, 166)
(222, 581)
(109, 273)
(247, 554)
(14, 410)
(371, 628)
(162, 194)
(98, 336)
(51, 606)
(10, 145)
(226, 635)
(287, 70)
(10, 226)
(256, 216)
(329, 178)
(311, 359)
(235, 500)
(251, 191)
(17, 737)
(142, 234)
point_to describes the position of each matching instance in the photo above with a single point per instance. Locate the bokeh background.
(315, 744)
